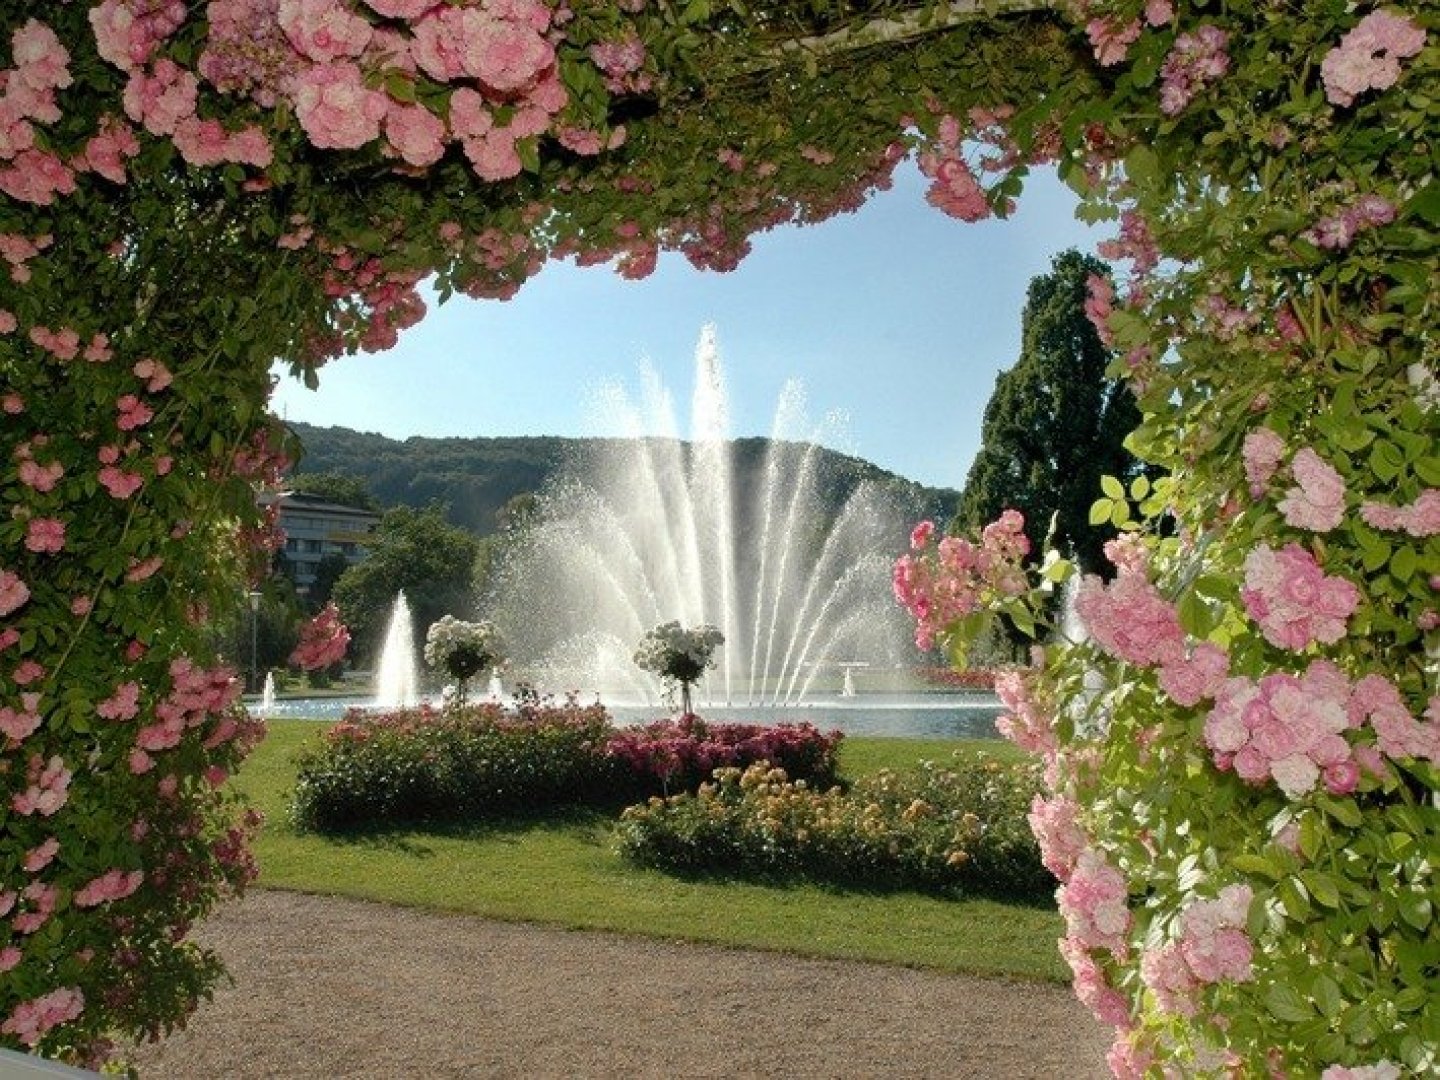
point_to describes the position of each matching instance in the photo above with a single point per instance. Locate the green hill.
(475, 477)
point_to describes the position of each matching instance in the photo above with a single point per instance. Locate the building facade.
(314, 529)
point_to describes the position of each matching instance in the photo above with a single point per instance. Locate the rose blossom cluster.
(48, 787)
(1293, 600)
(111, 885)
(1288, 728)
(954, 188)
(27, 97)
(1317, 502)
(1094, 904)
(1337, 231)
(1397, 733)
(1381, 1070)
(1099, 303)
(1421, 518)
(323, 56)
(17, 250)
(1056, 825)
(1213, 946)
(956, 578)
(32, 1019)
(1368, 57)
(1026, 721)
(19, 724)
(1129, 619)
(323, 640)
(675, 652)
(1197, 60)
(1262, 451)
(196, 694)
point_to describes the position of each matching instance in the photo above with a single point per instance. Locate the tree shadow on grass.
(789, 879)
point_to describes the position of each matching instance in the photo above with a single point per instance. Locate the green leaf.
(1344, 811)
(1404, 563)
(1139, 488)
(1326, 992)
(1286, 1004)
(1250, 863)
(1322, 887)
(1112, 487)
(1425, 204)
(1292, 897)
(1119, 513)
(1100, 511)
(1142, 166)
(1415, 909)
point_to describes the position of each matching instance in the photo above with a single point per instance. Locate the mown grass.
(564, 871)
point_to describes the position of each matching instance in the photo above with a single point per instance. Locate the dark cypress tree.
(1055, 423)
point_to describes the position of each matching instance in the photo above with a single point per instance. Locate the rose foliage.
(189, 192)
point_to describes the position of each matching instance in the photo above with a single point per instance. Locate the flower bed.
(458, 764)
(959, 829)
(470, 762)
(679, 755)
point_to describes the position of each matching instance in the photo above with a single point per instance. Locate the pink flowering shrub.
(677, 755)
(949, 581)
(323, 641)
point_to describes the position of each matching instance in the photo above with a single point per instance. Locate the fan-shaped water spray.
(767, 540)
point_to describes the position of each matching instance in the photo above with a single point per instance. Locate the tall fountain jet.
(397, 679)
(747, 535)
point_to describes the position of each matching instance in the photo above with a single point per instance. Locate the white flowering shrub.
(679, 655)
(462, 649)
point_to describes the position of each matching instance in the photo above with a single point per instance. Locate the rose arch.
(1242, 752)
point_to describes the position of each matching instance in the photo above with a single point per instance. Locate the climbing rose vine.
(189, 193)
(1240, 726)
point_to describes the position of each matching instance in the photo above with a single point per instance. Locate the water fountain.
(267, 695)
(749, 536)
(497, 691)
(397, 679)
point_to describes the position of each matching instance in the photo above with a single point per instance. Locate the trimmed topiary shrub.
(956, 829)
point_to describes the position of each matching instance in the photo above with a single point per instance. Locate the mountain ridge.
(476, 476)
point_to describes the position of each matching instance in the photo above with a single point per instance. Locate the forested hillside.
(476, 477)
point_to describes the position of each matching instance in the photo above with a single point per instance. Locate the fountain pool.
(937, 716)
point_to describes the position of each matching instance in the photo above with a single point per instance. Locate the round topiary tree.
(679, 655)
(462, 650)
(188, 194)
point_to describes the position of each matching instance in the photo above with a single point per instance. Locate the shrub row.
(953, 830)
(478, 761)
(680, 755)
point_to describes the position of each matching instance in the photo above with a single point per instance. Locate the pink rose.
(45, 535)
(1368, 57)
(1318, 503)
(335, 108)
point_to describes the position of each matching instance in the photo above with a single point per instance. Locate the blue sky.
(897, 318)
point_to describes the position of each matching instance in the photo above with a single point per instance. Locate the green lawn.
(564, 871)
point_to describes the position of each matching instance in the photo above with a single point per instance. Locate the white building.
(315, 528)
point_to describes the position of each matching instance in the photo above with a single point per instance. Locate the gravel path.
(332, 988)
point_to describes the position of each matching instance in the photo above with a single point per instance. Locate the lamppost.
(254, 640)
